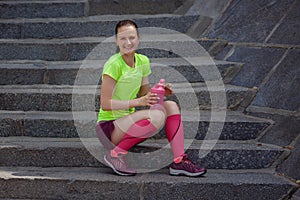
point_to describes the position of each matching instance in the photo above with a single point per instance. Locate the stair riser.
(236, 159)
(42, 188)
(62, 101)
(79, 157)
(26, 125)
(123, 7)
(13, 74)
(85, 28)
(64, 9)
(93, 49)
(187, 100)
(10, 10)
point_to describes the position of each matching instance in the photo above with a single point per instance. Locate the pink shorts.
(104, 130)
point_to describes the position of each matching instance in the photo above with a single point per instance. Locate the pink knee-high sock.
(137, 133)
(175, 134)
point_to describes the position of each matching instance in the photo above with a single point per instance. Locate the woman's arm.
(107, 103)
(145, 88)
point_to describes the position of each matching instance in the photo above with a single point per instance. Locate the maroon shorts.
(104, 130)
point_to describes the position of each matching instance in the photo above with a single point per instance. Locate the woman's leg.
(174, 130)
(135, 128)
(175, 134)
(129, 131)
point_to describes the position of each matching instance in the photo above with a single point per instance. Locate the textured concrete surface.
(258, 62)
(285, 95)
(210, 8)
(61, 124)
(121, 7)
(250, 21)
(62, 152)
(11, 124)
(296, 196)
(89, 72)
(290, 166)
(97, 183)
(42, 9)
(284, 130)
(22, 73)
(288, 30)
(86, 98)
(166, 45)
(265, 36)
(96, 26)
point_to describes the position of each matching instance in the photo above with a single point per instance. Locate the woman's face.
(127, 39)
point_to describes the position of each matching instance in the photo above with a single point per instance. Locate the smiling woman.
(125, 86)
(127, 39)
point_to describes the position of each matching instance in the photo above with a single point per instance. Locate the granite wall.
(265, 36)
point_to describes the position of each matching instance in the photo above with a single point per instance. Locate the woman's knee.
(171, 108)
(157, 118)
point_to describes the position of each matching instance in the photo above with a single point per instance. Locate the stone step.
(236, 126)
(10, 9)
(42, 9)
(87, 98)
(98, 183)
(95, 26)
(148, 156)
(145, 7)
(88, 72)
(101, 48)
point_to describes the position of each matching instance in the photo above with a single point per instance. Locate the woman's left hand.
(168, 89)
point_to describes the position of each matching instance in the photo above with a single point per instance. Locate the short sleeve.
(112, 69)
(146, 66)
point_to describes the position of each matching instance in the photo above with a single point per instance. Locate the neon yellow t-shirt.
(128, 82)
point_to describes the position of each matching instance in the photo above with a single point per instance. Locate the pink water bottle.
(159, 89)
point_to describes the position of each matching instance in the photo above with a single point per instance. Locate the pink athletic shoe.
(119, 165)
(187, 168)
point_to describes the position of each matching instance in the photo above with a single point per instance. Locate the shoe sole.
(175, 172)
(115, 170)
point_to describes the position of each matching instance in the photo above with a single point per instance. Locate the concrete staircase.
(48, 147)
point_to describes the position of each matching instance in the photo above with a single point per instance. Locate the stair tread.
(236, 125)
(151, 154)
(22, 9)
(95, 183)
(40, 64)
(167, 37)
(66, 72)
(95, 18)
(90, 89)
(45, 143)
(187, 115)
(39, 1)
(258, 176)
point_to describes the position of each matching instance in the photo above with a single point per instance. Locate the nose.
(128, 41)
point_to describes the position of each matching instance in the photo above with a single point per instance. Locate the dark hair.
(126, 22)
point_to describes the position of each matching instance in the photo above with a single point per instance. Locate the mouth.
(128, 49)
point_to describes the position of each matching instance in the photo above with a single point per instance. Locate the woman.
(125, 86)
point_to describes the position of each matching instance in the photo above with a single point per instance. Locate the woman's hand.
(168, 89)
(148, 100)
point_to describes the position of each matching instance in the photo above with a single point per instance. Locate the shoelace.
(122, 162)
(190, 164)
(186, 160)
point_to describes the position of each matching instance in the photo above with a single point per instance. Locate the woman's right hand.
(148, 100)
